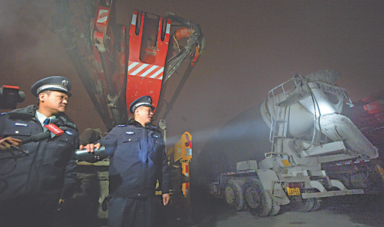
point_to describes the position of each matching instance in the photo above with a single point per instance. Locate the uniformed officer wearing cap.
(137, 161)
(36, 177)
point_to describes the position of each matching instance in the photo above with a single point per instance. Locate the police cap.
(142, 101)
(52, 83)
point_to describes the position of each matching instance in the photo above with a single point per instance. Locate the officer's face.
(54, 101)
(143, 114)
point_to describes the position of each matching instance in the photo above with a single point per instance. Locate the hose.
(174, 62)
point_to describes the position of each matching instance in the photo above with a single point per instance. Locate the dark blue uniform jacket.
(50, 166)
(137, 160)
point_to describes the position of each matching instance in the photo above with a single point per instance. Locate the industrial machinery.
(367, 114)
(180, 158)
(10, 96)
(271, 155)
(116, 64)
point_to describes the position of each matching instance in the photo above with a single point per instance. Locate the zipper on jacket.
(33, 160)
(145, 137)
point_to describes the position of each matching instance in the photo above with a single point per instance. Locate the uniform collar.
(138, 124)
(30, 112)
(134, 122)
(41, 117)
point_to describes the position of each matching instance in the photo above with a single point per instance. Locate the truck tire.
(361, 180)
(345, 180)
(275, 209)
(317, 204)
(257, 199)
(306, 205)
(234, 195)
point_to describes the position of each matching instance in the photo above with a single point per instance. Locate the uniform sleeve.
(110, 140)
(70, 174)
(165, 173)
(2, 123)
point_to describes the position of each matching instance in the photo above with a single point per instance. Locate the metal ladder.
(279, 117)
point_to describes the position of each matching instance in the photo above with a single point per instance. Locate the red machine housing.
(117, 67)
(148, 48)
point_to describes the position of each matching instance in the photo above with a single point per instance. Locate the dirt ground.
(347, 211)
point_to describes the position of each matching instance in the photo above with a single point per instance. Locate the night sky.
(252, 47)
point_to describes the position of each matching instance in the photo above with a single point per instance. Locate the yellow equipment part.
(182, 152)
(182, 149)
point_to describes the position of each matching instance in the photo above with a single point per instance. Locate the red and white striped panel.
(145, 70)
(103, 16)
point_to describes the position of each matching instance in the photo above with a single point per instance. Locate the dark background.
(252, 47)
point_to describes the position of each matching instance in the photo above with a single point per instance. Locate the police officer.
(36, 176)
(137, 160)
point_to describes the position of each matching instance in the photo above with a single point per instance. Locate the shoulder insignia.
(4, 113)
(121, 125)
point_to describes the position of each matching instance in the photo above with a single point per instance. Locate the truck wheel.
(234, 195)
(345, 180)
(275, 209)
(258, 200)
(306, 205)
(361, 180)
(317, 204)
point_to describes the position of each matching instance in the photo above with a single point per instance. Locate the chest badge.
(130, 133)
(69, 133)
(21, 124)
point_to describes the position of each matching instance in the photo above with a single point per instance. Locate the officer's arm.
(165, 179)
(6, 143)
(2, 123)
(70, 174)
(165, 173)
(110, 140)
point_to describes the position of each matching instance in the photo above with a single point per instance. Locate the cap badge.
(64, 83)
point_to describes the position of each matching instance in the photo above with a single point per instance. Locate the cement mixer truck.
(271, 155)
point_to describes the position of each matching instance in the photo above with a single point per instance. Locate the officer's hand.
(6, 143)
(166, 198)
(90, 147)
